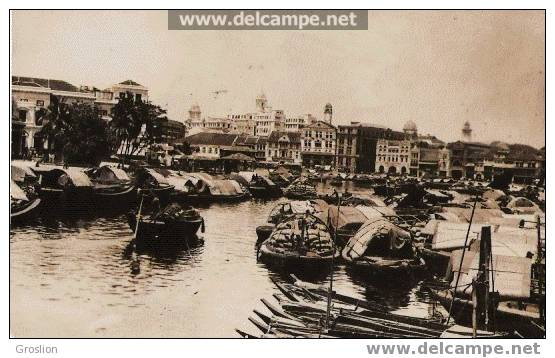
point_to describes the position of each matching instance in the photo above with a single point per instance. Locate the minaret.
(261, 102)
(194, 112)
(328, 113)
(194, 115)
(466, 132)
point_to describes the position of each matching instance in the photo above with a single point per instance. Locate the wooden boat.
(302, 310)
(300, 189)
(202, 187)
(494, 291)
(112, 188)
(510, 316)
(285, 210)
(65, 189)
(150, 180)
(336, 181)
(380, 248)
(302, 241)
(181, 225)
(22, 208)
(261, 187)
(386, 190)
(343, 223)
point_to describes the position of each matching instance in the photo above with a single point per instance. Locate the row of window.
(395, 158)
(210, 150)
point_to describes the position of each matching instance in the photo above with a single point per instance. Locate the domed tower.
(194, 112)
(466, 132)
(261, 102)
(328, 113)
(410, 128)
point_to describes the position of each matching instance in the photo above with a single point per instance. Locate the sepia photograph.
(376, 174)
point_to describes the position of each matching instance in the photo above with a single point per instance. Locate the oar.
(138, 217)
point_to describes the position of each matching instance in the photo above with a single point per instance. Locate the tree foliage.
(76, 132)
(133, 126)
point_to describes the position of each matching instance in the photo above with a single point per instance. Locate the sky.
(436, 68)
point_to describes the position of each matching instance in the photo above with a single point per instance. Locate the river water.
(82, 278)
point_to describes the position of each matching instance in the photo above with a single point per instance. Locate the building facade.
(31, 96)
(296, 123)
(357, 145)
(393, 156)
(284, 147)
(318, 143)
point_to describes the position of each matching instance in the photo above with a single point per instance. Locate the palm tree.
(133, 125)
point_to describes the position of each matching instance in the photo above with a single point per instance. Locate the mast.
(462, 258)
(480, 292)
(330, 288)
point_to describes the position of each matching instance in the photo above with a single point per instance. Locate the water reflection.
(92, 266)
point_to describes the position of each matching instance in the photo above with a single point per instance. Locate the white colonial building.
(393, 156)
(318, 142)
(295, 123)
(32, 95)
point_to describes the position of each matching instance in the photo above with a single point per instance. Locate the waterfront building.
(284, 147)
(242, 123)
(169, 130)
(357, 145)
(433, 161)
(393, 154)
(467, 159)
(139, 92)
(262, 122)
(256, 144)
(31, 97)
(318, 142)
(296, 123)
(210, 144)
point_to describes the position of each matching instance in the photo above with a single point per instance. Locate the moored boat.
(283, 211)
(300, 189)
(202, 187)
(112, 188)
(67, 189)
(262, 187)
(299, 242)
(150, 180)
(22, 208)
(174, 224)
(380, 248)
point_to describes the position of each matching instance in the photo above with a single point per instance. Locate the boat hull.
(74, 201)
(209, 198)
(120, 199)
(159, 232)
(506, 319)
(263, 232)
(265, 192)
(25, 213)
(405, 268)
(292, 260)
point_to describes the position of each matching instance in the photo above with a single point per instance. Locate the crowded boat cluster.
(480, 245)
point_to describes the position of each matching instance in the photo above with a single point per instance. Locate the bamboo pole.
(330, 289)
(462, 258)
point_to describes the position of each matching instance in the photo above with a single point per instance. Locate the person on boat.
(155, 204)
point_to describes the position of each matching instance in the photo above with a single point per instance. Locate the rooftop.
(130, 83)
(212, 138)
(56, 85)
